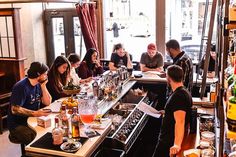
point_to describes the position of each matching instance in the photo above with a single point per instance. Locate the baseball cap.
(36, 69)
(152, 46)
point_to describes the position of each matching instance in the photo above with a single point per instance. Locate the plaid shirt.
(185, 62)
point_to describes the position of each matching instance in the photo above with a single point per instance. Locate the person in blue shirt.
(27, 96)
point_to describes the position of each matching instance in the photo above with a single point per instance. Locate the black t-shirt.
(211, 66)
(180, 99)
(119, 61)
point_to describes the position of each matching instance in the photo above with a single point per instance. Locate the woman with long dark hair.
(90, 65)
(58, 76)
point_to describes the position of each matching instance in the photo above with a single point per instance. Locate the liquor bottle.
(64, 121)
(231, 108)
(75, 123)
(95, 88)
(230, 79)
(57, 133)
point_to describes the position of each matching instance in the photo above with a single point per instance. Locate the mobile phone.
(47, 110)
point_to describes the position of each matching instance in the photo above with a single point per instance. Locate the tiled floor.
(7, 148)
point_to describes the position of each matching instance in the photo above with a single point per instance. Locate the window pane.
(184, 22)
(3, 30)
(5, 49)
(130, 22)
(10, 27)
(79, 40)
(12, 47)
(58, 36)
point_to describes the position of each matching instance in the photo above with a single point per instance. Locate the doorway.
(63, 33)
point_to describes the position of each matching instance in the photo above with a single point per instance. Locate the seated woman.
(90, 65)
(120, 57)
(58, 76)
(75, 62)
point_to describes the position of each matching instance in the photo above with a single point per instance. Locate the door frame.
(67, 15)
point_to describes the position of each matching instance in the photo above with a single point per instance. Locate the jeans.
(23, 134)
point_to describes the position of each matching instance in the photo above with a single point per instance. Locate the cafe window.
(7, 43)
(130, 22)
(184, 21)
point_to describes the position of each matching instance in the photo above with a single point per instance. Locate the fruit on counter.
(70, 102)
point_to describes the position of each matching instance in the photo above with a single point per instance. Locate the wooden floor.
(7, 148)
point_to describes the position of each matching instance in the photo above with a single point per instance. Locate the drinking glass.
(87, 112)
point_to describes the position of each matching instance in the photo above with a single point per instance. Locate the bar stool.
(22, 146)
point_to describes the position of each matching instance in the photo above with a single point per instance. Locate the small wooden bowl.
(70, 92)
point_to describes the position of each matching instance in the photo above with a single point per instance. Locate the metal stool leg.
(22, 146)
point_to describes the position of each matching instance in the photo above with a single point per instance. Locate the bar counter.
(89, 146)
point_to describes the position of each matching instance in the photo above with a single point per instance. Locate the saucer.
(70, 147)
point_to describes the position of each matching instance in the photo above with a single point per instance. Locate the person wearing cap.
(152, 60)
(26, 98)
(58, 76)
(183, 60)
(119, 58)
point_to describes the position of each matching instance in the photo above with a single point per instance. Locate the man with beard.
(183, 60)
(27, 96)
(176, 115)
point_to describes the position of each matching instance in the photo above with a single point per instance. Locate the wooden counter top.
(149, 77)
(90, 145)
(154, 77)
(86, 150)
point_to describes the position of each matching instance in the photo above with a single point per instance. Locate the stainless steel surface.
(123, 135)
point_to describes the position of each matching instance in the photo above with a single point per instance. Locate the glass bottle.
(57, 133)
(95, 88)
(64, 121)
(230, 79)
(231, 108)
(75, 123)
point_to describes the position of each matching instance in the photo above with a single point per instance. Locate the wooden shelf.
(204, 102)
(231, 26)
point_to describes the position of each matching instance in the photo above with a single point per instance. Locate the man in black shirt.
(120, 57)
(183, 60)
(176, 116)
